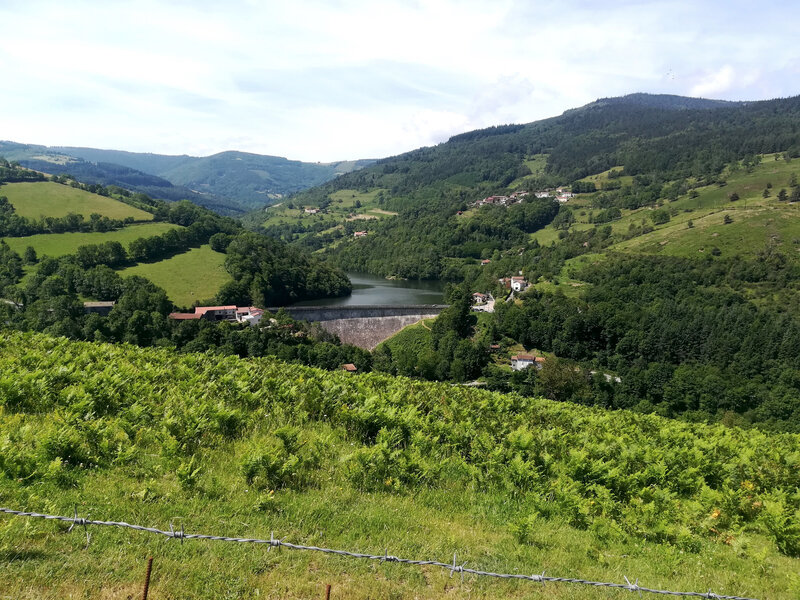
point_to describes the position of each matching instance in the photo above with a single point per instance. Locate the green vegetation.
(335, 218)
(48, 199)
(368, 462)
(191, 277)
(61, 244)
(228, 182)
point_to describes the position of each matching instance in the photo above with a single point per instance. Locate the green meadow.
(755, 223)
(346, 205)
(45, 198)
(189, 277)
(60, 244)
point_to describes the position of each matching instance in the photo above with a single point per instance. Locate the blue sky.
(344, 79)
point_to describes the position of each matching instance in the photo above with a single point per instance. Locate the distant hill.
(229, 182)
(657, 138)
(54, 162)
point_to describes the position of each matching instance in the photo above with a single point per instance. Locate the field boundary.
(274, 542)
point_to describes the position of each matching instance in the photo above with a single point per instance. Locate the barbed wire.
(273, 542)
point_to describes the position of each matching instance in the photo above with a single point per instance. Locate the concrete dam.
(364, 326)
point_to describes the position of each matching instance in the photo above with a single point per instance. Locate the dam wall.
(364, 326)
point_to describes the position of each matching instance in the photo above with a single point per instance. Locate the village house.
(480, 298)
(523, 361)
(519, 284)
(349, 367)
(249, 314)
(311, 211)
(246, 314)
(485, 262)
(98, 308)
(359, 234)
(544, 194)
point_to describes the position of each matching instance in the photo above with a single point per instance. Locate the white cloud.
(715, 83)
(334, 79)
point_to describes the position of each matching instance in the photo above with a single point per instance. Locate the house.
(209, 313)
(349, 367)
(479, 298)
(519, 284)
(176, 316)
(249, 314)
(485, 262)
(311, 211)
(359, 234)
(543, 194)
(505, 282)
(98, 308)
(522, 361)
(217, 313)
(494, 347)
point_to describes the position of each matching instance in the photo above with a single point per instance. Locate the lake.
(372, 290)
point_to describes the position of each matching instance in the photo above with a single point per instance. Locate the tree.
(29, 256)
(765, 193)
(727, 220)
(782, 196)
(793, 180)
(733, 196)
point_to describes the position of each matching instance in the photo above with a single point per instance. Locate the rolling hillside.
(228, 182)
(662, 140)
(48, 199)
(368, 463)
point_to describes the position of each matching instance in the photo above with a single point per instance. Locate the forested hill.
(227, 182)
(660, 139)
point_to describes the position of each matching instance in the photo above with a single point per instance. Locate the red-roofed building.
(176, 316)
(522, 361)
(245, 314)
(349, 367)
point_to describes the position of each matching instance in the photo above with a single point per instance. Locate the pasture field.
(192, 276)
(59, 244)
(342, 208)
(756, 221)
(45, 198)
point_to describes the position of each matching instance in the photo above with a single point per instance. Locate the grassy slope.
(757, 221)
(59, 244)
(340, 209)
(150, 411)
(35, 200)
(188, 277)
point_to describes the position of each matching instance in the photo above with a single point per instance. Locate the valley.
(629, 407)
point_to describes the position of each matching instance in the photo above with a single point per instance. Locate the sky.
(347, 79)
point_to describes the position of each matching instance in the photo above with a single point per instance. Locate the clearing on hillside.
(59, 244)
(34, 200)
(194, 275)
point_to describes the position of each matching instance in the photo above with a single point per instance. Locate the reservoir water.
(372, 290)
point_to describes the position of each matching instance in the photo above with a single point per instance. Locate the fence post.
(328, 592)
(147, 577)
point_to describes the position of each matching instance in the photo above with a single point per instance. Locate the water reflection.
(372, 290)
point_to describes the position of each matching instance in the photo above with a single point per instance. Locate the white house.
(519, 284)
(523, 361)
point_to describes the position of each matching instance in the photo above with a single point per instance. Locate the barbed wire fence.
(273, 542)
